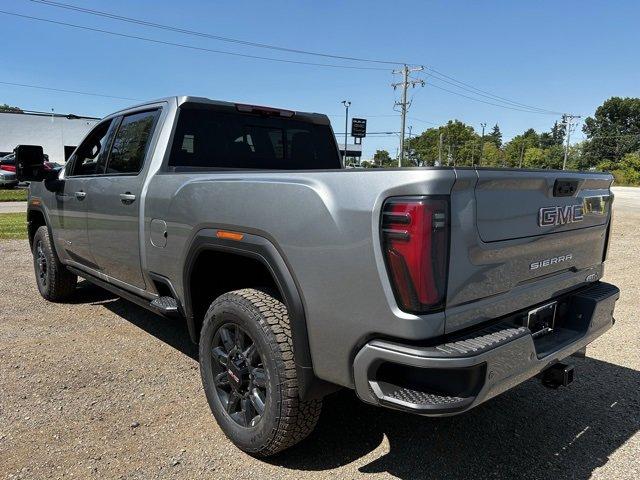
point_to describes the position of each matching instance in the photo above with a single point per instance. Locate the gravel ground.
(102, 389)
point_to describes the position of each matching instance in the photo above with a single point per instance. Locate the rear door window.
(208, 139)
(131, 143)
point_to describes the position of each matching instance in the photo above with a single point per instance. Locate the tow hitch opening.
(559, 374)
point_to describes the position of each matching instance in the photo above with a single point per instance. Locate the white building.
(354, 152)
(58, 134)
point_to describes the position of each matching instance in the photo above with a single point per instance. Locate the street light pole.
(346, 104)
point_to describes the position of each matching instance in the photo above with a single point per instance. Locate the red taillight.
(415, 239)
(8, 168)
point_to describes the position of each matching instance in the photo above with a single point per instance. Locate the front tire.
(249, 374)
(55, 282)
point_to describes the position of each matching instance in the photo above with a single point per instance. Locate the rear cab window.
(207, 139)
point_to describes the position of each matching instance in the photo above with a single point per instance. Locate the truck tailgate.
(519, 238)
(515, 205)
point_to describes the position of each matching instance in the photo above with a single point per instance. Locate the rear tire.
(275, 418)
(54, 281)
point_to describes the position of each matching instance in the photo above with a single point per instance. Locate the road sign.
(358, 127)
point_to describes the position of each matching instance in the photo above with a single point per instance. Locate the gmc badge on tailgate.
(554, 216)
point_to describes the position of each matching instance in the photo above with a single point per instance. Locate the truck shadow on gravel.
(529, 432)
(171, 332)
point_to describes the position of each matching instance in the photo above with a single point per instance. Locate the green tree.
(518, 146)
(614, 130)
(495, 137)
(382, 158)
(460, 144)
(8, 108)
(626, 171)
(555, 136)
(492, 156)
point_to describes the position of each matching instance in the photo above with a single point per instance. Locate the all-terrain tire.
(286, 420)
(55, 282)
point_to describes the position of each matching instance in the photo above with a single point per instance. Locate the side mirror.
(30, 163)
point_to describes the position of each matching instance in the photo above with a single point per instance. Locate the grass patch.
(13, 225)
(13, 195)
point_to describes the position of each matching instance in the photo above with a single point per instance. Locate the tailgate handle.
(565, 188)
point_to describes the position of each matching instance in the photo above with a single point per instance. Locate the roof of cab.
(318, 118)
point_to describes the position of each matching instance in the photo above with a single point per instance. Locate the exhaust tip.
(558, 375)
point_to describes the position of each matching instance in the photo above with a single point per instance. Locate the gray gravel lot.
(103, 389)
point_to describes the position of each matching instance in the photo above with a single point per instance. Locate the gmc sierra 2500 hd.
(429, 290)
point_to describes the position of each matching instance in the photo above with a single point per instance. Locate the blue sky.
(562, 56)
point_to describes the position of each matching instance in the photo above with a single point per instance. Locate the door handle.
(127, 198)
(80, 195)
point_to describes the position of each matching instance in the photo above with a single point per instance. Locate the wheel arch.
(262, 250)
(36, 218)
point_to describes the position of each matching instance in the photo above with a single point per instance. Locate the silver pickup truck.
(429, 290)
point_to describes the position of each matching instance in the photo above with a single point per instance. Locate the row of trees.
(8, 108)
(612, 143)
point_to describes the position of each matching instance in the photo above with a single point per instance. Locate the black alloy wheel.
(249, 373)
(239, 375)
(41, 265)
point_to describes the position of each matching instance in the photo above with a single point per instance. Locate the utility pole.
(346, 104)
(567, 120)
(409, 143)
(404, 104)
(483, 125)
(440, 150)
(521, 153)
(449, 156)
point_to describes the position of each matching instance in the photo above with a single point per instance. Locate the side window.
(85, 160)
(131, 142)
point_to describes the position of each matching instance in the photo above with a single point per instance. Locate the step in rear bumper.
(453, 377)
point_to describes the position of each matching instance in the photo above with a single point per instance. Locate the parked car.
(53, 166)
(8, 179)
(8, 163)
(427, 290)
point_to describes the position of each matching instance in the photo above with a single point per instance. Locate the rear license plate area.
(541, 320)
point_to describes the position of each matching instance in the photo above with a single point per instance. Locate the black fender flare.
(37, 207)
(263, 250)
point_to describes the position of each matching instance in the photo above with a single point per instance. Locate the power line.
(459, 84)
(191, 47)
(364, 115)
(371, 133)
(40, 87)
(432, 71)
(423, 121)
(488, 103)
(206, 35)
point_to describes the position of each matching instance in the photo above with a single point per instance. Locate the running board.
(127, 295)
(167, 306)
